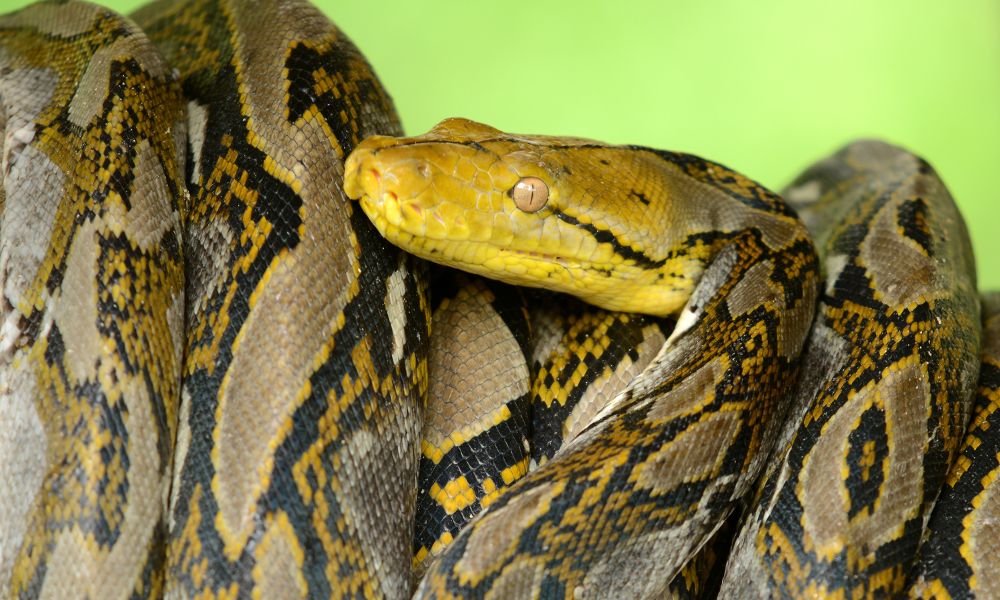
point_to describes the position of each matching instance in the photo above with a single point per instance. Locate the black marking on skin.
(604, 236)
(912, 218)
(640, 197)
(924, 168)
(342, 58)
(723, 179)
(870, 441)
(941, 554)
(483, 457)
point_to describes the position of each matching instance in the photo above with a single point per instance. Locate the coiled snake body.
(213, 368)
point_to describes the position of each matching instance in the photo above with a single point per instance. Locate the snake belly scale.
(214, 365)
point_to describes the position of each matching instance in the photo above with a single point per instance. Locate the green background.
(765, 87)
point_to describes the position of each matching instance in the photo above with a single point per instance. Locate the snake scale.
(219, 379)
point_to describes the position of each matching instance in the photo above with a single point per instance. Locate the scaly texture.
(884, 395)
(482, 421)
(474, 440)
(303, 357)
(658, 469)
(583, 358)
(298, 447)
(958, 558)
(91, 273)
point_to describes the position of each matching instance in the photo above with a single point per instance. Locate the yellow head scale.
(566, 214)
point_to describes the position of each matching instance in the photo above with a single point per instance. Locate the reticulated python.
(212, 367)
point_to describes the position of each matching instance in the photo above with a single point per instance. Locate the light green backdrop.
(765, 87)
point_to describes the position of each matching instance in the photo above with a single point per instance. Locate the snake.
(887, 384)
(226, 369)
(674, 451)
(956, 558)
(238, 235)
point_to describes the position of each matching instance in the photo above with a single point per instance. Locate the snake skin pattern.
(474, 441)
(659, 467)
(881, 405)
(218, 380)
(474, 446)
(274, 487)
(583, 357)
(958, 556)
(91, 272)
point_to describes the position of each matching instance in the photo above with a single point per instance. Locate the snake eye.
(529, 194)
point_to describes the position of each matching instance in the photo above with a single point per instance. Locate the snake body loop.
(884, 395)
(305, 356)
(658, 469)
(91, 273)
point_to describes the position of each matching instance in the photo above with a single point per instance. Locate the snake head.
(567, 214)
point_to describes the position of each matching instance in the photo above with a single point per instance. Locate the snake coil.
(217, 377)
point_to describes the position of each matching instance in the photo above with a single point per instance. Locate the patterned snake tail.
(958, 558)
(91, 274)
(305, 360)
(630, 229)
(886, 383)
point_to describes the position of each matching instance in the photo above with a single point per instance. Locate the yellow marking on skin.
(278, 568)
(932, 589)
(456, 495)
(515, 472)
(431, 452)
(419, 557)
(461, 436)
(490, 492)
(441, 543)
